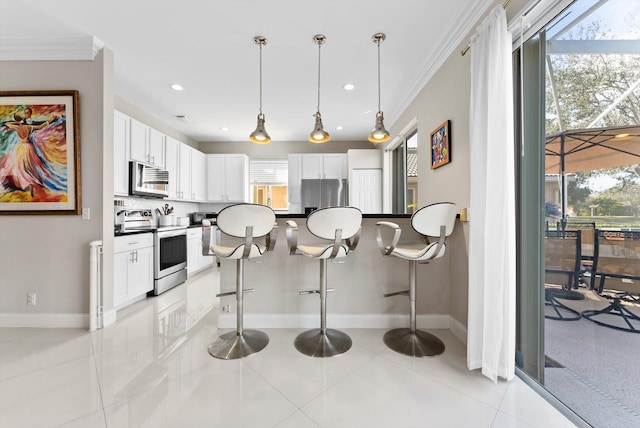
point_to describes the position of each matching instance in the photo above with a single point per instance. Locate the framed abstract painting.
(441, 145)
(39, 152)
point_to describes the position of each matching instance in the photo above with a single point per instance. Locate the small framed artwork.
(441, 145)
(39, 152)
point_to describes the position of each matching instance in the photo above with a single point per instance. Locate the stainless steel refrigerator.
(324, 193)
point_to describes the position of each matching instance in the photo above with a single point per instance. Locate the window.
(405, 176)
(269, 182)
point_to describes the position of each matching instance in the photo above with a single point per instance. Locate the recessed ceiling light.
(224, 128)
(176, 87)
(339, 128)
(183, 117)
(367, 111)
(349, 87)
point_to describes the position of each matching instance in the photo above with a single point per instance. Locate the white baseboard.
(458, 329)
(228, 320)
(44, 320)
(108, 317)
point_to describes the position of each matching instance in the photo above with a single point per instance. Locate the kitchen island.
(359, 280)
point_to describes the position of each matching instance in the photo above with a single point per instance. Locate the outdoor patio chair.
(588, 247)
(616, 276)
(562, 266)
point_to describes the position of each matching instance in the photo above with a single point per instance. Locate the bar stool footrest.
(231, 346)
(397, 293)
(415, 344)
(315, 344)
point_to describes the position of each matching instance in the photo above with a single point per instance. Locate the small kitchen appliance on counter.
(197, 217)
(131, 220)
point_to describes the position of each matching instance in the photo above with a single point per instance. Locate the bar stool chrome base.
(315, 344)
(415, 344)
(231, 346)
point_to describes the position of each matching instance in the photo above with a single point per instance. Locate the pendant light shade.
(319, 135)
(379, 134)
(260, 135)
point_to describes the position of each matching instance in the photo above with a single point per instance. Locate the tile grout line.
(95, 365)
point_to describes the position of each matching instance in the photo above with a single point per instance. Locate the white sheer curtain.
(491, 321)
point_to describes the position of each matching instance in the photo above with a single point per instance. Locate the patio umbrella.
(590, 149)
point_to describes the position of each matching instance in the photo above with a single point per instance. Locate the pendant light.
(379, 134)
(319, 135)
(260, 136)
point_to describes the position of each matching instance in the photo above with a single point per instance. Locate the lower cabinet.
(195, 260)
(133, 267)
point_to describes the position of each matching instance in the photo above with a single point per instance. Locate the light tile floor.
(151, 369)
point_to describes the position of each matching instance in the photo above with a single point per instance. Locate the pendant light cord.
(378, 42)
(319, 47)
(261, 43)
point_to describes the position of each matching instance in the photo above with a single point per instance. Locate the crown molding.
(49, 49)
(446, 47)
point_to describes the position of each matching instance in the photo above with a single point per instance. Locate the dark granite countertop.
(363, 216)
(130, 232)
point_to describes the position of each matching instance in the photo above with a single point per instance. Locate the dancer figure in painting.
(25, 167)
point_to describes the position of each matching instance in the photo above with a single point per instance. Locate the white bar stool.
(248, 222)
(341, 225)
(436, 220)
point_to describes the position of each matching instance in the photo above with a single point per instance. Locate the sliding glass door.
(577, 87)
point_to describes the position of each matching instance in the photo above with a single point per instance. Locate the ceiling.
(207, 47)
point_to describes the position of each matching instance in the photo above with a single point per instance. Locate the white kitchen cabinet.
(195, 260)
(324, 165)
(187, 175)
(334, 165)
(227, 178)
(172, 155)
(121, 133)
(312, 166)
(147, 144)
(133, 267)
(184, 172)
(156, 148)
(198, 175)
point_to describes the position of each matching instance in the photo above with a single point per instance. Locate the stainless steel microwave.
(148, 180)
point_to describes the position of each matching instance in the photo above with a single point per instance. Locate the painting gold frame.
(39, 152)
(440, 145)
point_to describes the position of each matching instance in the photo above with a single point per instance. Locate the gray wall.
(49, 254)
(137, 113)
(281, 148)
(446, 96)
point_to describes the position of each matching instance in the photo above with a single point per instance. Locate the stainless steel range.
(169, 247)
(170, 258)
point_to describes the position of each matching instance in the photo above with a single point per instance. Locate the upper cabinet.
(324, 165)
(147, 144)
(184, 172)
(198, 175)
(172, 156)
(186, 167)
(133, 140)
(227, 178)
(156, 148)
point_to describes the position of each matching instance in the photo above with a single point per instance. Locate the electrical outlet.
(86, 213)
(226, 308)
(31, 299)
